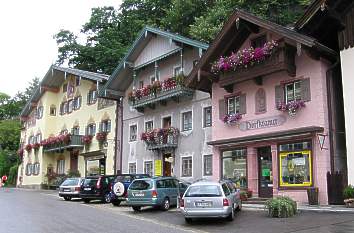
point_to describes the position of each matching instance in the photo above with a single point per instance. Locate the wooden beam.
(50, 89)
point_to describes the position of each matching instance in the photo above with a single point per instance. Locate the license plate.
(203, 204)
(87, 189)
(67, 190)
(138, 194)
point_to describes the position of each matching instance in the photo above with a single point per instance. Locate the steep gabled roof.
(117, 86)
(54, 77)
(233, 34)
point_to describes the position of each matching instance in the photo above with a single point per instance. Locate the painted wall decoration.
(262, 123)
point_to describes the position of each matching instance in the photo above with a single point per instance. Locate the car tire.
(67, 198)
(116, 203)
(231, 216)
(107, 198)
(188, 220)
(166, 204)
(136, 208)
(86, 200)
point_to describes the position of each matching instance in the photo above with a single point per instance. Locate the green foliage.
(73, 173)
(13, 174)
(281, 207)
(9, 135)
(348, 192)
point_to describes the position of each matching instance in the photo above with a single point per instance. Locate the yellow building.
(67, 129)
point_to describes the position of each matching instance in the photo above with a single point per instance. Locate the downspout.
(121, 135)
(115, 141)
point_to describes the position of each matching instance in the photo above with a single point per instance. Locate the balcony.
(283, 59)
(73, 141)
(161, 139)
(158, 93)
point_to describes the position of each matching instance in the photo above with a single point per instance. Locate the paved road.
(36, 212)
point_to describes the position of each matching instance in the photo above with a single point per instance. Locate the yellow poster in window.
(158, 167)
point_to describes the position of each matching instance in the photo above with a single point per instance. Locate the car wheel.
(136, 208)
(67, 198)
(107, 198)
(231, 216)
(116, 203)
(188, 220)
(166, 204)
(86, 200)
(239, 207)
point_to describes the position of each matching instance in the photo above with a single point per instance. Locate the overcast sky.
(27, 47)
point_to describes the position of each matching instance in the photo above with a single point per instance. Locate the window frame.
(77, 99)
(75, 129)
(295, 92)
(92, 97)
(187, 158)
(131, 139)
(39, 112)
(152, 167)
(92, 132)
(205, 125)
(61, 166)
(129, 167)
(51, 108)
(36, 168)
(204, 165)
(145, 126)
(28, 170)
(236, 105)
(174, 70)
(190, 128)
(106, 126)
(245, 155)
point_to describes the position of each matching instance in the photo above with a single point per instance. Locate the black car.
(120, 186)
(97, 188)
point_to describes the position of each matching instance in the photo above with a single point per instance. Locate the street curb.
(319, 209)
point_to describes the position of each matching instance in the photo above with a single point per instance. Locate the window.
(208, 165)
(233, 105)
(53, 110)
(187, 121)
(133, 132)
(65, 87)
(132, 168)
(292, 91)
(92, 97)
(39, 112)
(207, 116)
(295, 165)
(77, 102)
(28, 169)
(105, 126)
(64, 108)
(77, 81)
(166, 122)
(148, 168)
(259, 42)
(70, 106)
(38, 138)
(91, 129)
(177, 70)
(235, 166)
(186, 166)
(75, 130)
(141, 84)
(61, 167)
(35, 169)
(149, 126)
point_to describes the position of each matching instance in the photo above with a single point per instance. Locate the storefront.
(95, 163)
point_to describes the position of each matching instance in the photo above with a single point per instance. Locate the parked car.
(119, 187)
(97, 188)
(70, 188)
(157, 192)
(207, 199)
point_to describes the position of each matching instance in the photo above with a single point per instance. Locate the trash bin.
(312, 195)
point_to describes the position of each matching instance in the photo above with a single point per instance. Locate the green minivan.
(157, 192)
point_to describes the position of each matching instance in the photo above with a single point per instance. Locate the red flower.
(28, 147)
(87, 139)
(101, 136)
(36, 146)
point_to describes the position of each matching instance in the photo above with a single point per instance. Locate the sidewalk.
(319, 208)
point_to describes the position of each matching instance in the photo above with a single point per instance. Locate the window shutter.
(94, 129)
(100, 127)
(279, 95)
(305, 90)
(86, 130)
(88, 98)
(109, 126)
(243, 107)
(222, 108)
(79, 100)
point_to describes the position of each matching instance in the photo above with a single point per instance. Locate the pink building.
(270, 111)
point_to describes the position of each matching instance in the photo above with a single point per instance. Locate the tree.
(9, 135)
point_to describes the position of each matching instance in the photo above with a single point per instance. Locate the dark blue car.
(120, 186)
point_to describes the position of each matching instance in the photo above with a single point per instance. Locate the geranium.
(36, 146)
(101, 136)
(64, 138)
(159, 135)
(244, 58)
(87, 139)
(291, 107)
(232, 118)
(28, 147)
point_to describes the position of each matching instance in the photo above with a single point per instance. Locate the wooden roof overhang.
(234, 33)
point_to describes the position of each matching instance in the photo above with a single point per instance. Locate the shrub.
(13, 175)
(73, 173)
(348, 192)
(281, 207)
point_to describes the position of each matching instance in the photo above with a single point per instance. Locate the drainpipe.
(121, 134)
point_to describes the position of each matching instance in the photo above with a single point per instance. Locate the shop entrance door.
(265, 173)
(167, 164)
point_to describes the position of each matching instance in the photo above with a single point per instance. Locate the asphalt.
(43, 211)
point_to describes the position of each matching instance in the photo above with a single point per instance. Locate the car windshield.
(204, 191)
(90, 181)
(70, 182)
(141, 185)
(122, 178)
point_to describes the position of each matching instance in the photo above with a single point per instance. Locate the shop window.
(207, 117)
(39, 112)
(77, 102)
(53, 110)
(133, 132)
(292, 91)
(75, 130)
(187, 121)
(28, 169)
(233, 105)
(35, 169)
(187, 166)
(91, 129)
(105, 126)
(95, 167)
(295, 165)
(61, 167)
(149, 126)
(259, 41)
(92, 97)
(132, 168)
(208, 165)
(148, 169)
(235, 166)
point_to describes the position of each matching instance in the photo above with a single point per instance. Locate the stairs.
(256, 200)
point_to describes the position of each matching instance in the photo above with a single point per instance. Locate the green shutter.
(243, 105)
(222, 108)
(305, 90)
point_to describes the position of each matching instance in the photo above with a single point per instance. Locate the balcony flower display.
(232, 119)
(291, 107)
(36, 146)
(244, 58)
(87, 139)
(101, 136)
(28, 147)
(53, 140)
(159, 136)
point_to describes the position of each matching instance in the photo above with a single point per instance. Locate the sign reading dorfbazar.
(158, 168)
(262, 123)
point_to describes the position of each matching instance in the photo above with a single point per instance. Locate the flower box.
(28, 147)
(101, 136)
(232, 119)
(291, 107)
(161, 138)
